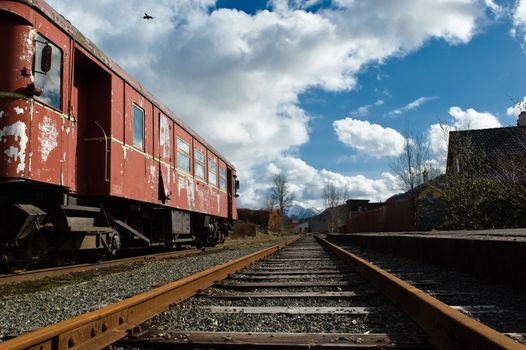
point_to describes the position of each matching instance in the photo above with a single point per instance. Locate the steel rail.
(101, 328)
(33, 275)
(446, 327)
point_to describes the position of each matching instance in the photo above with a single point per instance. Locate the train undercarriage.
(46, 224)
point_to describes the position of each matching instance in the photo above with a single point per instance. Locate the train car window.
(222, 179)
(199, 165)
(50, 82)
(183, 155)
(212, 172)
(138, 127)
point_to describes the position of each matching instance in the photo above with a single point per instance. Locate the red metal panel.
(46, 146)
(136, 167)
(117, 113)
(117, 136)
(117, 168)
(165, 155)
(152, 187)
(134, 174)
(14, 137)
(69, 150)
(16, 36)
(152, 168)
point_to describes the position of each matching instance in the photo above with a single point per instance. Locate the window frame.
(39, 39)
(200, 163)
(222, 176)
(135, 107)
(212, 170)
(183, 153)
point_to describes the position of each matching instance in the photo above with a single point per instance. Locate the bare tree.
(413, 166)
(333, 197)
(281, 192)
(269, 202)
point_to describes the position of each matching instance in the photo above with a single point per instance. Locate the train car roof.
(88, 45)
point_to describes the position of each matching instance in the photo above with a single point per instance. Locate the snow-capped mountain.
(299, 212)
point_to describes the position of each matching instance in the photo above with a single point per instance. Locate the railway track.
(498, 306)
(33, 275)
(304, 296)
(37, 274)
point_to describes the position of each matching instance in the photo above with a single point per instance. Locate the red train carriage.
(89, 160)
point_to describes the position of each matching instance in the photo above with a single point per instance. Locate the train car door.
(91, 105)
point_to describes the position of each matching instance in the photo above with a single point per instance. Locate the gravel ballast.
(507, 313)
(20, 313)
(194, 314)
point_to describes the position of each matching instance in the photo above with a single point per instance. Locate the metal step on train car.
(89, 160)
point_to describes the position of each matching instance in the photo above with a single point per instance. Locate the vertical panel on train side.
(117, 137)
(152, 167)
(165, 156)
(136, 110)
(213, 183)
(223, 195)
(202, 192)
(185, 189)
(48, 143)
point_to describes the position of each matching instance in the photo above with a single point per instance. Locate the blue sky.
(320, 90)
(482, 74)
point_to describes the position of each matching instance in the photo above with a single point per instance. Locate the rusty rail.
(101, 328)
(446, 327)
(33, 275)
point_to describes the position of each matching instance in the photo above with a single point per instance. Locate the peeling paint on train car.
(28, 49)
(17, 134)
(48, 138)
(186, 192)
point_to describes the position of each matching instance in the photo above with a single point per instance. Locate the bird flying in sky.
(147, 16)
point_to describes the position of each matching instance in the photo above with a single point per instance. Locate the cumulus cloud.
(236, 78)
(411, 106)
(513, 111)
(471, 119)
(368, 138)
(519, 21)
(308, 182)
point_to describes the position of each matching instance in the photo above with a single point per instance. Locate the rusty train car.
(89, 160)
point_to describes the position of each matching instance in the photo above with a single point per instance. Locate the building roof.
(510, 140)
(495, 143)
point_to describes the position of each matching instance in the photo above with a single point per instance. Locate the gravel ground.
(192, 315)
(28, 309)
(510, 315)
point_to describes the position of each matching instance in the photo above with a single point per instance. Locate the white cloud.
(371, 139)
(514, 110)
(411, 105)
(519, 14)
(364, 110)
(235, 78)
(519, 21)
(471, 119)
(308, 182)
